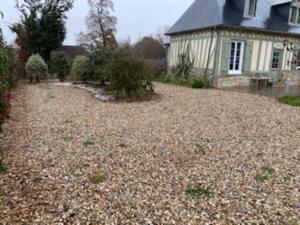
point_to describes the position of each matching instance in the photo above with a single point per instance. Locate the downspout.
(209, 51)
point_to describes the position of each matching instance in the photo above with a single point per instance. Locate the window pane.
(232, 56)
(275, 60)
(252, 8)
(294, 15)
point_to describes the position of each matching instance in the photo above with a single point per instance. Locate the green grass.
(290, 100)
(261, 178)
(68, 138)
(97, 179)
(268, 169)
(198, 191)
(3, 167)
(287, 178)
(191, 83)
(88, 143)
(51, 96)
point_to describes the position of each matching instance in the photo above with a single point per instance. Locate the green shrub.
(59, 64)
(128, 75)
(7, 73)
(98, 62)
(199, 84)
(195, 83)
(36, 68)
(5, 98)
(81, 69)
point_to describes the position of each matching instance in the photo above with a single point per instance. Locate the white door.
(236, 57)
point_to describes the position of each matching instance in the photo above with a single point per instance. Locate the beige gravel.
(148, 154)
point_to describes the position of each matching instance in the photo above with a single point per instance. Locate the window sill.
(294, 24)
(249, 17)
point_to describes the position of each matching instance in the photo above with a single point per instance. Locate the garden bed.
(96, 90)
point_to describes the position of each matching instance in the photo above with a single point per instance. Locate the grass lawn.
(290, 100)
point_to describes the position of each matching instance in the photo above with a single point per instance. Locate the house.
(238, 41)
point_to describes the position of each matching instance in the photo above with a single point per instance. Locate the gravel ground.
(75, 160)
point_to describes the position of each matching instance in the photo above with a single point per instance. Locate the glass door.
(276, 62)
(236, 57)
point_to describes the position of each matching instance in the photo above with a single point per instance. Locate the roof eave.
(235, 27)
(192, 30)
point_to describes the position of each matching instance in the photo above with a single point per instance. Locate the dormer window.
(295, 13)
(250, 8)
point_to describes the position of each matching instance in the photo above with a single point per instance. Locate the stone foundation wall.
(232, 81)
(220, 81)
(195, 72)
(291, 77)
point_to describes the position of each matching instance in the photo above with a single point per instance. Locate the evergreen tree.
(42, 25)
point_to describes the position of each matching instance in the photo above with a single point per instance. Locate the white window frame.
(297, 6)
(247, 8)
(241, 62)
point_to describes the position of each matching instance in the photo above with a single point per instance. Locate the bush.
(59, 64)
(5, 98)
(36, 68)
(128, 75)
(7, 72)
(150, 48)
(199, 84)
(98, 61)
(81, 70)
(195, 83)
(158, 66)
(7, 66)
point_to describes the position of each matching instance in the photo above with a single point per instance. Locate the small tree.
(81, 70)
(59, 64)
(150, 48)
(128, 75)
(185, 63)
(36, 68)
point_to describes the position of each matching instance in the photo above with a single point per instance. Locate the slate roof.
(270, 15)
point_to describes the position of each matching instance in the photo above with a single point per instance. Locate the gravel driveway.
(75, 160)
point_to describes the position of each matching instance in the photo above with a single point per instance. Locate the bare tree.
(101, 26)
(160, 35)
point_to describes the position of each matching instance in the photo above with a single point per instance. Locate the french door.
(236, 57)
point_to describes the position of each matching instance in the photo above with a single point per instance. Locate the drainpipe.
(209, 51)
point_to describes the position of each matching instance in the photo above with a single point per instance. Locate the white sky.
(136, 18)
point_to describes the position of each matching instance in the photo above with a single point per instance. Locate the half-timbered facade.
(236, 40)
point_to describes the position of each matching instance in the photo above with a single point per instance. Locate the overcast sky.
(136, 18)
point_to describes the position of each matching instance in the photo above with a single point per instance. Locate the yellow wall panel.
(269, 50)
(262, 56)
(255, 55)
